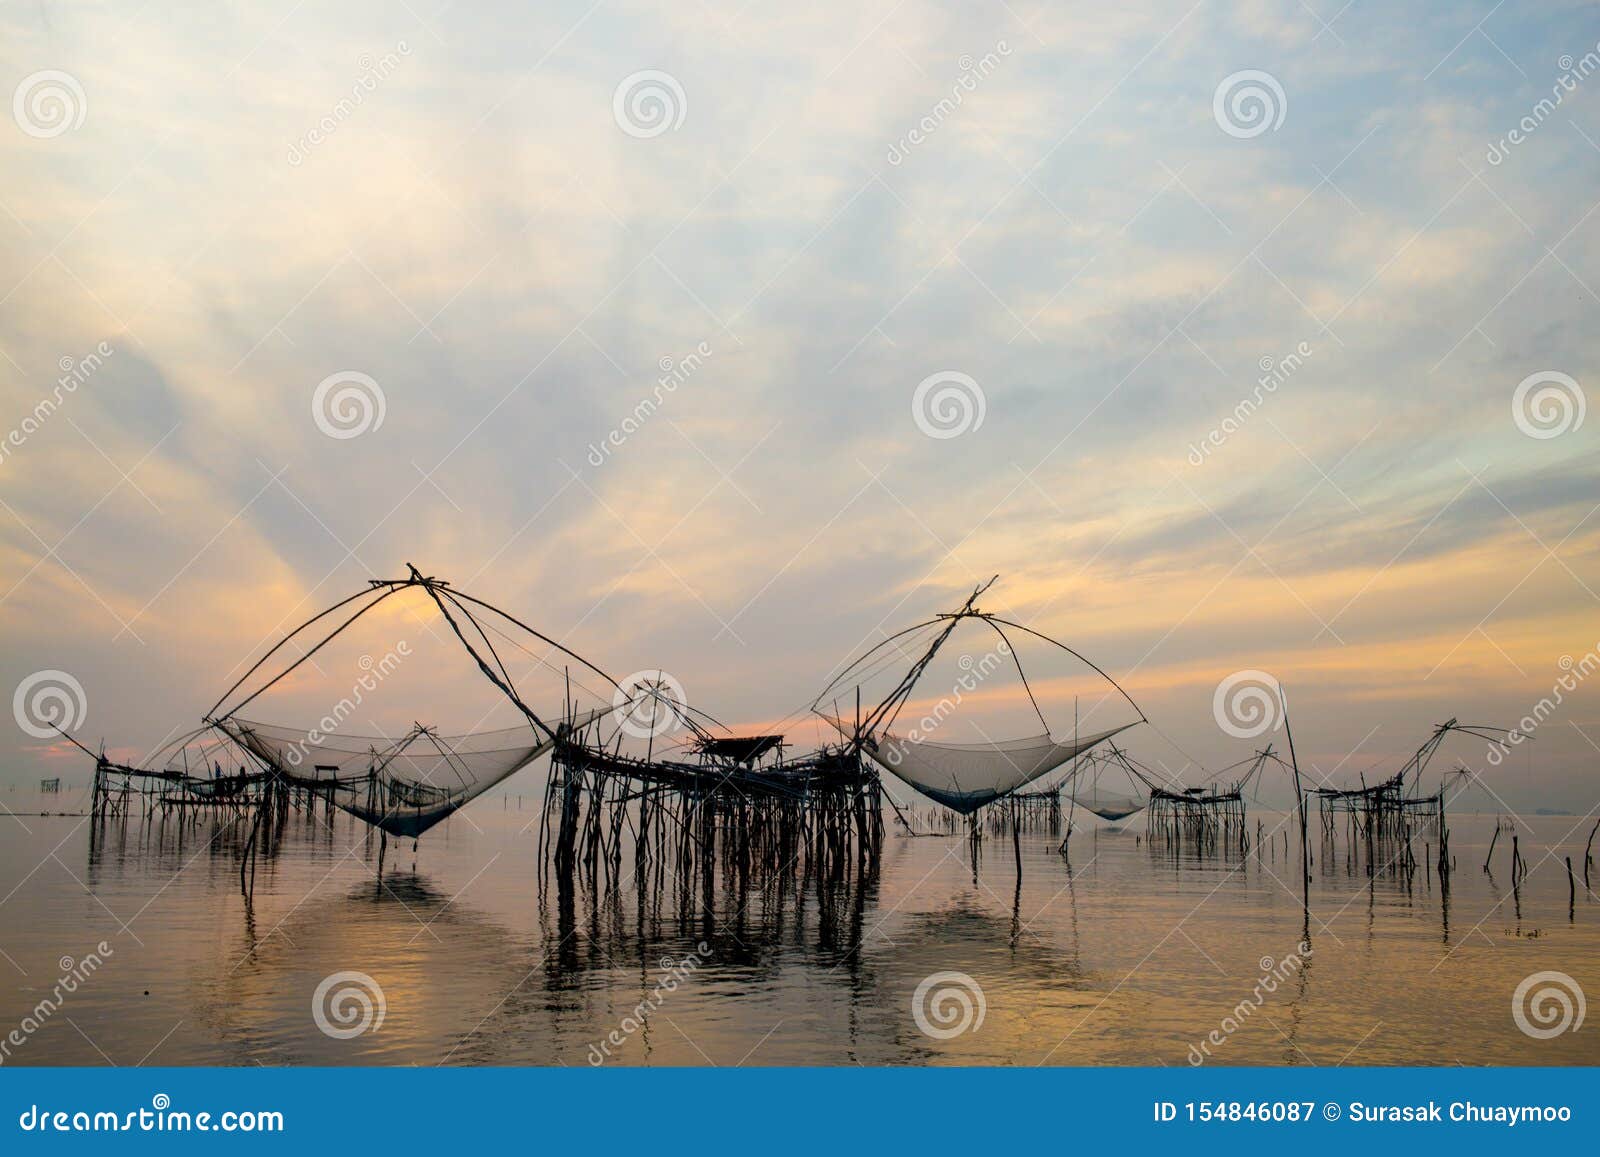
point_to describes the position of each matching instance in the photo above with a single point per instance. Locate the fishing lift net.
(1108, 805)
(1208, 819)
(206, 766)
(1381, 819)
(965, 776)
(1085, 785)
(962, 776)
(1111, 808)
(203, 767)
(1403, 790)
(404, 784)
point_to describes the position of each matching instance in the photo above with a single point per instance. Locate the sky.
(726, 338)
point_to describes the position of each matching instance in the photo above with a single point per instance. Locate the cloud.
(1077, 235)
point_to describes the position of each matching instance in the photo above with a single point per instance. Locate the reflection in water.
(1122, 953)
(165, 843)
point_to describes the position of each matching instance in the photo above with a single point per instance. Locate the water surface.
(1124, 955)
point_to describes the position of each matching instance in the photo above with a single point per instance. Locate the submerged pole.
(1072, 799)
(1300, 807)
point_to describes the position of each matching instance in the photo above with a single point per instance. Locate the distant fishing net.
(1110, 807)
(207, 764)
(403, 785)
(1085, 788)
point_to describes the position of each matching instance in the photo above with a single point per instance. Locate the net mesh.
(965, 776)
(204, 765)
(1109, 807)
(1084, 787)
(404, 785)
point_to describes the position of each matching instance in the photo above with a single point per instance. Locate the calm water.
(1128, 958)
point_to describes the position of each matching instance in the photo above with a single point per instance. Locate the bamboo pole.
(1300, 807)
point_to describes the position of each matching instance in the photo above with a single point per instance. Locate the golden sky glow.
(517, 272)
